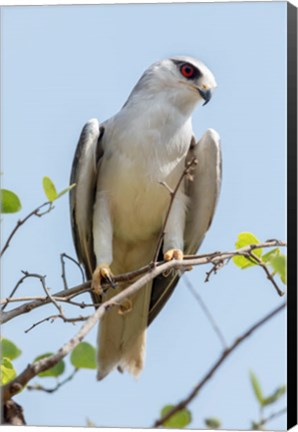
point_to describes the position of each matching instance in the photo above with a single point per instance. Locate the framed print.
(149, 199)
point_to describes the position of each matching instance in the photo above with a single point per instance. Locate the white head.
(183, 80)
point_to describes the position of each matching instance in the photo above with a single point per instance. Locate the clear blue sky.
(64, 65)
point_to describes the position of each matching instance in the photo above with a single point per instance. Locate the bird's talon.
(171, 254)
(101, 272)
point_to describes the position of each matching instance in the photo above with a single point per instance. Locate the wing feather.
(203, 192)
(84, 174)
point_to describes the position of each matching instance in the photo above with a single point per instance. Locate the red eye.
(187, 70)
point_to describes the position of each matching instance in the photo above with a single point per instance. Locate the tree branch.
(148, 273)
(53, 389)
(173, 193)
(37, 212)
(270, 418)
(34, 369)
(268, 274)
(226, 353)
(206, 311)
(64, 256)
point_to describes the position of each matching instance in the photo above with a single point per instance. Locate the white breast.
(138, 156)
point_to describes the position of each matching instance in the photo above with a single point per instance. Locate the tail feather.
(122, 336)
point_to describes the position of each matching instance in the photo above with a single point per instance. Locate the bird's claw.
(101, 272)
(172, 254)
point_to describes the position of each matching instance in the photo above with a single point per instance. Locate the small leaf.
(279, 265)
(212, 423)
(256, 426)
(9, 349)
(10, 202)
(54, 371)
(83, 356)
(269, 255)
(89, 423)
(7, 371)
(49, 189)
(275, 396)
(256, 387)
(180, 419)
(66, 190)
(246, 239)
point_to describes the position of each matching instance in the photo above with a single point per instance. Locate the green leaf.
(49, 189)
(256, 388)
(10, 202)
(275, 396)
(246, 239)
(279, 265)
(256, 426)
(89, 423)
(54, 371)
(180, 419)
(83, 356)
(7, 371)
(66, 190)
(213, 423)
(9, 349)
(266, 258)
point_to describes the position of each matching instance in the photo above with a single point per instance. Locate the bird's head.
(192, 75)
(184, 81)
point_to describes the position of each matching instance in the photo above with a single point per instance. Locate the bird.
(118, 207)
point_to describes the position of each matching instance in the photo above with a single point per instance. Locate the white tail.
(122, 335)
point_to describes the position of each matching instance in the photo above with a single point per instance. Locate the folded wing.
(203, 192)
(84, 174)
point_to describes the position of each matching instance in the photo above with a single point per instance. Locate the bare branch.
(52, 318)
(32, 370)
(217, 265)
(206, 311)
(37, 212)
(269, 275)
(271, 417)
(28, 307)
(9, 299)
(13, 414)
(53, 389)
(160, 267)
(226, 353)
(46, 290)
(173, 193)
(63, 275)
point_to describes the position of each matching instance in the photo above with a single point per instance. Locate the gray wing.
(84, 174)
(203, 192)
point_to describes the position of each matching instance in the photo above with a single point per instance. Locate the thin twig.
(65, 299)
(53, 317)
(172, 193)
(217, 265)
(206, 311)
(271, 417)
(48, 294)
(63, 275)
(34, 369)
(37, 212)
(160, 268)
(269, 275)
(53, 389)
(9, 298)
(185, 402)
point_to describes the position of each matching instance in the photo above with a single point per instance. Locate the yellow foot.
(102, 271)
(171, 254)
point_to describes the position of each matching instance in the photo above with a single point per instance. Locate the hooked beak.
(206, 95)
